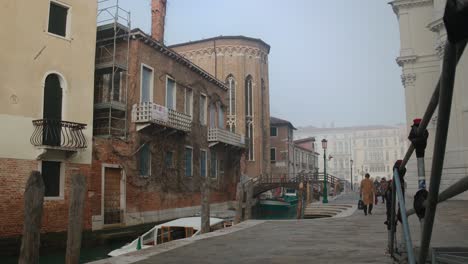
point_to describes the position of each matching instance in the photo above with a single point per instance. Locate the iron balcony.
(148, 112)
(219, 135)
(58, 134)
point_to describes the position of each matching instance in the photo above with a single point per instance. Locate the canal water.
(87, 254)
(268, 212)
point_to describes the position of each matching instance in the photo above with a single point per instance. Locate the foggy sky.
(330, 61)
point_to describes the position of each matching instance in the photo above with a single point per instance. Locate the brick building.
(46, 105)
(174, 134)
(242, 62)
(289, 157)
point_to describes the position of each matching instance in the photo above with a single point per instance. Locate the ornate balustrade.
(51, 133)
(148, 112)
(225, 136)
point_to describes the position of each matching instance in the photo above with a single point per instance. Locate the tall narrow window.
(232, 95)
(220, 116)
(203, 163)
(203, 109)
(58, 19)
(213, 165)
(188, 161)
(273, 154)
(212, 115)
(170, 93)
(146, 84)
(188, 102)
(52, 111)
(248, 96)
(145, 161)
(249, 117)
(250, 137)
(51, 175)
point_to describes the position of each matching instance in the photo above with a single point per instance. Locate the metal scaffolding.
(111, 71)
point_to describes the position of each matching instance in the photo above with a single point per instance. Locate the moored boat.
(172, 230)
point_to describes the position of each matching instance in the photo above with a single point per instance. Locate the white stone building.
(373, 149)
(423, 38)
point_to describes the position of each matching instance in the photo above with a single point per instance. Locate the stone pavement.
(353, 239)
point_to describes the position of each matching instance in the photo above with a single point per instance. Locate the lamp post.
(351, 161)
(325, 194)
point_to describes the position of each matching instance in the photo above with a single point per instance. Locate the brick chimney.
(158, 16)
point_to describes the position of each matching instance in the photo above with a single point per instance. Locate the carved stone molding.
(229, 50)
(436, 25)
(402, 60)
(397, 5)
(440, 48)
(408, 79)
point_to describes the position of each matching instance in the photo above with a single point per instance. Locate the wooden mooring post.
(33, 207)
(205, 207)
(309, 199)
(240, 201)
(75, 219)
(300, 201)
(248, 201)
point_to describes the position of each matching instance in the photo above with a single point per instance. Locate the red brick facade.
(14, 174)
(167, 187)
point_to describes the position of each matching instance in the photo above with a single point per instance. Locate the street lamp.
(325, 195)
(351, 161)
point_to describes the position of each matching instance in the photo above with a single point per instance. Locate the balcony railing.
(225, 136)
(58, 134)
(148, 112)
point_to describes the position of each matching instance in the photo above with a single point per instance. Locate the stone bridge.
(263, 184)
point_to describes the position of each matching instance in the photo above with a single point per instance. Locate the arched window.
(231, 84)
(249, 117)
(248, 96)
(52, 113)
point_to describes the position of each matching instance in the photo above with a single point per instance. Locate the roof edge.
(177, 57)
(222, 37)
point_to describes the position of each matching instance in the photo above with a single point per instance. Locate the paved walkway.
(353, 239)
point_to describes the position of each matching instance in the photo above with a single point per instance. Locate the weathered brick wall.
(14, 174)
(240, 57)
(281, 143)
(165, 188)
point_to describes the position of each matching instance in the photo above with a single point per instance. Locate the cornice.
(397, 5)
(408, 79)
(228, 50)
(402, 60)
(436, 25)
(440, 48)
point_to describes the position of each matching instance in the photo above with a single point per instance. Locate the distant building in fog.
(373, 149)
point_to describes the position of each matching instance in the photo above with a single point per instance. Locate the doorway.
(113, 198)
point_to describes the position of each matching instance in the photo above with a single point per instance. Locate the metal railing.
(149, 112)
(455, 21)
(225, 136)
(58, 134)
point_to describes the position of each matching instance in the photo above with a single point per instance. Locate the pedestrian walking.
(367, 194)
(383, 188)
(377, 190)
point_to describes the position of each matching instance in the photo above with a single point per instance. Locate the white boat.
(172, 230)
